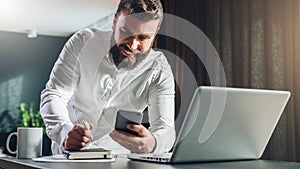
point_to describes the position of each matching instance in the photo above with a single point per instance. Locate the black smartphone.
(125, 117)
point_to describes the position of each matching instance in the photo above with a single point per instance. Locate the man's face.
(133, 38)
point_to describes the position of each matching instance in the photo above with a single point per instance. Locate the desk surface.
(123, 162)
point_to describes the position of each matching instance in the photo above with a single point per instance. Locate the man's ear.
(114, 21)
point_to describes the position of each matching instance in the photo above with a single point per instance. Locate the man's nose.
(134, 43)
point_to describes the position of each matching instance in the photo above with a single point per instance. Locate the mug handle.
(7, 143)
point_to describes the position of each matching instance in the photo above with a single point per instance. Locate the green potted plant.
(29, 117)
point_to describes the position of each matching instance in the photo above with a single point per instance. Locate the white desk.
(123, 163)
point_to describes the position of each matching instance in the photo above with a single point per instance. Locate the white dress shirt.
(86, 84)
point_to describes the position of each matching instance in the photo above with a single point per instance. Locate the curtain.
(258, 42)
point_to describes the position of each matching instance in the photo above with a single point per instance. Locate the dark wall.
(25, 66)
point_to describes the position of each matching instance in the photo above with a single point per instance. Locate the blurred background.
(257, 41)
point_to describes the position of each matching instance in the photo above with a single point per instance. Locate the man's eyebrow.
(146, 35)
(127, 30)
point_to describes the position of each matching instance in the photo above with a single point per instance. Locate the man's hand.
(77, 138)
(143, 143)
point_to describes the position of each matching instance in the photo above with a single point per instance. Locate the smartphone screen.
(127, 117)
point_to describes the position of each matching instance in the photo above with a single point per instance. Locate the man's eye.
(142, 37)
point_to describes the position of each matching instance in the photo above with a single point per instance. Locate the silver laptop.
(225, 124)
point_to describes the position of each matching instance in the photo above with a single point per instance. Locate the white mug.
(29, 142)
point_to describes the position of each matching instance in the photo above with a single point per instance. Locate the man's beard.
(127, 62)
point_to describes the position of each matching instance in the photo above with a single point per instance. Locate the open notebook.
(225, 124)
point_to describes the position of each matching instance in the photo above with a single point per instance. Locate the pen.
(87, 127)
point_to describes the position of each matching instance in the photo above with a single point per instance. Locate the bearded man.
(98, 73)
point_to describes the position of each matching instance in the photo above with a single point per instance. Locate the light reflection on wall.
(10, 97)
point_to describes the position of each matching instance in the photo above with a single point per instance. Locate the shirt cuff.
(60, 133)
(64, 132)
(164, 140)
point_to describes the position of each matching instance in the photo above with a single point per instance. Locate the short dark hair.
(149, 9)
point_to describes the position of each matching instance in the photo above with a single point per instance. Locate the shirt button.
(107, 94)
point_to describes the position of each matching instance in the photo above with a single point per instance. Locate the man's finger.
(122, 139)
(91, 126)
(71, 143)
(75, 135)
(71, 147)
(80, 129)
(140, 129)
(85, 139)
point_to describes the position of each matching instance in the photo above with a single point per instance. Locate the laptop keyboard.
(152, 157)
